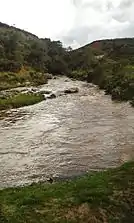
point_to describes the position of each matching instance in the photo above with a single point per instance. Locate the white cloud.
(75, 22)
(99, 19)
(46, 18)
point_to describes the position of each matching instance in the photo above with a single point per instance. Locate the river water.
(66, 136)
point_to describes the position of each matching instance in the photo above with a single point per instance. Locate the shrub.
(9, 65)
(78, 74)
(12, 80)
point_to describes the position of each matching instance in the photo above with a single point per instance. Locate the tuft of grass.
(102, 197)
(20, 100)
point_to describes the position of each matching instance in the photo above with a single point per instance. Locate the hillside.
(115, 49)
(20, 48)
(120, 47)
(107, 63)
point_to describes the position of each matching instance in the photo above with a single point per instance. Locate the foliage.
(20, 100)
(118, 46)
(27, 77)
(107, 63)
(78, 74)
(116, 77)
(20, 48)
(98, 197)
(80, 59)
(7, 65)
(118, 80)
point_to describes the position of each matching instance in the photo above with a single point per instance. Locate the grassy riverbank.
(20, 100)
(101, 197)
(10, 80)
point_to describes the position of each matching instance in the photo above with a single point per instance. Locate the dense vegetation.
(116, 48)
(107, 63)
(95, 198)
(25, 58)
(23, 78)
(19, 48)
(117, 79)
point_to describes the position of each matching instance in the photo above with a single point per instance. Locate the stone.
(71, 90)
(51, 96)
(49, 76)
(45, 91)
(66, 80)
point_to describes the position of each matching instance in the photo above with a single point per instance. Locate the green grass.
(100, 197)
(20, 100)
(11, 80)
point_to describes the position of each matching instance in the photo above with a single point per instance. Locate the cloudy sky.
(74, 22)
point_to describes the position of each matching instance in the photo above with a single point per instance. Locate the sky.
(74, 22)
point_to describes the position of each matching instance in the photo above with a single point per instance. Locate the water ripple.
(65, 137)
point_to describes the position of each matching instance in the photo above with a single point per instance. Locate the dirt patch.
(84, 213)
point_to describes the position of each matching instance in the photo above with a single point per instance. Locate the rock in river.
(45, 91)
(51, 96)
(71, 90)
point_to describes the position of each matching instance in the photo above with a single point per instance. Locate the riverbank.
(24, 96)
(100, 197)
(20, 100)
(114, 79)
(23, 78)
(11, 88)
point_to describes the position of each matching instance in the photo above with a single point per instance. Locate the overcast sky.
(74, 22)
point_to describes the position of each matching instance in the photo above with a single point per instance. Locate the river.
(66, 136)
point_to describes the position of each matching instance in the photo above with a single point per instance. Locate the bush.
(9, 65)
(78, 74)
(38, 78)
(115, 78)
(12, 80)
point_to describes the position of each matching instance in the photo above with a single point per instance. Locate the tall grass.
(11, 80)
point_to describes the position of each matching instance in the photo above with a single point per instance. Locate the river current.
(66, 136)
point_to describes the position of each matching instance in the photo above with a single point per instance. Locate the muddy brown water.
(66, 136)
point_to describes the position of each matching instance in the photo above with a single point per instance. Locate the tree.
(36, 56)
